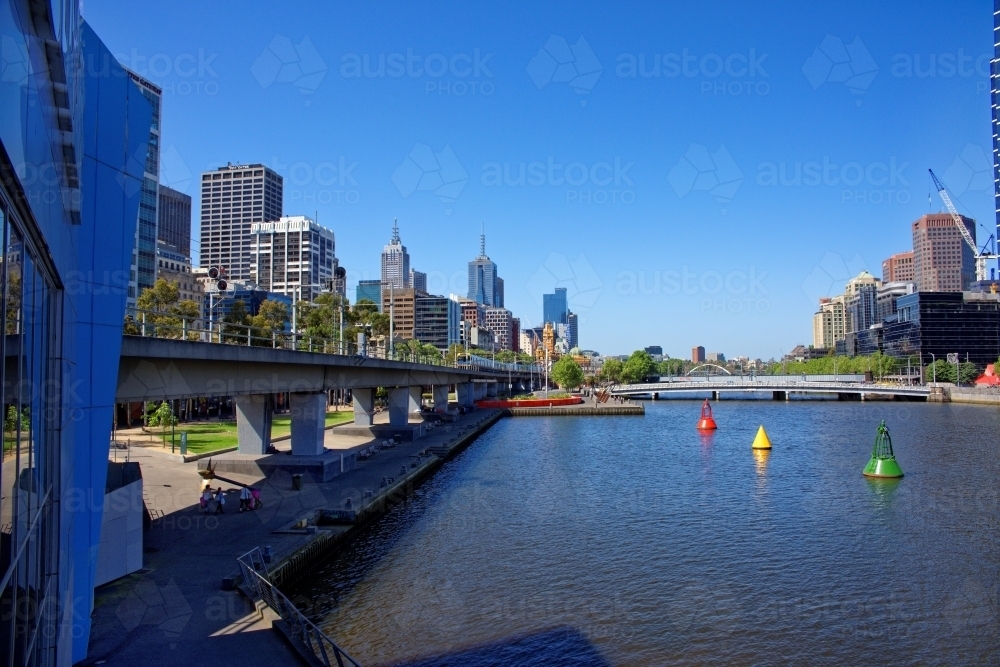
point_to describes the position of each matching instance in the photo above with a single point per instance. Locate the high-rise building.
(898, 268)
(418, 280)
(400, 305)
(67, 244)
(860, 298)
(473, 313)
(483, 278)
(173, 216)
(370, 290)
(698, 354)
(555, 307)
(293, 255)
(395, 262)
(942, 260)
(654, 350)
(823, 329)
(143, 272)
(499, 292)
(500, 322)
(515, 334)
(572, 330)
(174, 266)
(233, 198)
(437, 321)
(830, 323)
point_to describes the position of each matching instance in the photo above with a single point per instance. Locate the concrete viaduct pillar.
(464, 392)
(402, 402)
(440, 394)
(308, 423)
(491, 389)
(253, 423)
(364, 406)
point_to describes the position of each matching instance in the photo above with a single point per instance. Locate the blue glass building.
(555, 308)
(74, 134)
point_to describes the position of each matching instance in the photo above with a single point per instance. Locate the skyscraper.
(573, 327)
(395, 262)
(293, 256)
(942, 260)
(898, 268)
(143, 271)
(555, 307)
(370, 290)
(483, 278)
(233, 198)
(174, 219)
(418, 280)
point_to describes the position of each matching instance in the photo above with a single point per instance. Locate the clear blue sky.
(656, 195)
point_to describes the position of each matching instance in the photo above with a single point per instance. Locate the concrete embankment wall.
(328, 540)
(981, 397)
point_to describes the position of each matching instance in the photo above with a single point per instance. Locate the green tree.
(455, 352)
(161, 416)
(940, 371)
(234, 323)
(506, 356)
(611, 371)
(671, 367)
(567, 373)
(271, 318)
(163, 314)
(14, 421)
(638, 367)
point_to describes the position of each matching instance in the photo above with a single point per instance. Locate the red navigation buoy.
(706, 423)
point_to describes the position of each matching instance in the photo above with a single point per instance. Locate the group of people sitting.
(214, 502)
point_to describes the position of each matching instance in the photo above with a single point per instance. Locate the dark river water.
(636, 541)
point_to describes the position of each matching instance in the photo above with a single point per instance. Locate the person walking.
(220, 500)
(206, 498)
(245, 498)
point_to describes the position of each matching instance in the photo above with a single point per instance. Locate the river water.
(636, 541)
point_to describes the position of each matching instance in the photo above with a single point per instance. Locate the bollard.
(297, 482)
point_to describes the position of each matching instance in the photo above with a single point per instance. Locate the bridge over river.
(780, 387)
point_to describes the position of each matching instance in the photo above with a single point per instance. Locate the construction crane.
(982, 255)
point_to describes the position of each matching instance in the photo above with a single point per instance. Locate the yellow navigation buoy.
(761, 441)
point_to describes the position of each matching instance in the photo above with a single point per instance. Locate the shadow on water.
(557, 647)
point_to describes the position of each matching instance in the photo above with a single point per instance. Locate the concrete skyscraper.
(142, 274)
(942, 260)
(483, 278)
(233, 198)
(293, 256)
(395, 262)
(174, 220)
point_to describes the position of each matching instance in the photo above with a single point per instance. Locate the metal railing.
(152, 324)
(258, 582)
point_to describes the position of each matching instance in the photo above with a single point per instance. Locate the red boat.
(706, 423)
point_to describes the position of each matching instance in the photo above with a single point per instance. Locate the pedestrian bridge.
(780, 388)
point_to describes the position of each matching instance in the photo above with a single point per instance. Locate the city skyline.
(822, 225)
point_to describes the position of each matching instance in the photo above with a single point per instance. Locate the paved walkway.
(174, 612)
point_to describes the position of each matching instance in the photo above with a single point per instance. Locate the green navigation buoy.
(883, 461)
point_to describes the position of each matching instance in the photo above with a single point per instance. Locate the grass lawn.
(208, 437)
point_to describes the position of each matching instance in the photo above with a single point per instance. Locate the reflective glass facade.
(943, 323)
(71, 175)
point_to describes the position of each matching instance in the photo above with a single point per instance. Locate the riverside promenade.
(177, 609)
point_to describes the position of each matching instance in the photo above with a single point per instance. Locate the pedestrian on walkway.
(206, 498)
(255, 502)
(220, 500)
(245, 498)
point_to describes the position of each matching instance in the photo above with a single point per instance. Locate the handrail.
(252, 566)
(152, 324)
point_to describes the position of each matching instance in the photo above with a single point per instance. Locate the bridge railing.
(153, 324)
(258, 583)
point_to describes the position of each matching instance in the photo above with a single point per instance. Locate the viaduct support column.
(253, 423)
(399, 406)
(491, 389)
(415, 399)
(464, 392)
(364, 406)
(440, 393)
(308, 423)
